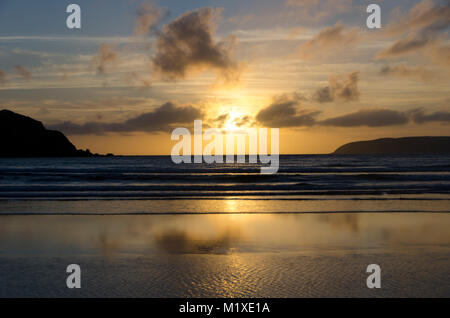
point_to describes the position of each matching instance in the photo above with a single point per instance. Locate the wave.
(153, 177)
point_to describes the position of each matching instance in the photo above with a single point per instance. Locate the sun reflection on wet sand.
(230, 255)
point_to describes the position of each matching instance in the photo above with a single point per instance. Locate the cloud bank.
(419, 116)
(284, 111)
(369, 118)
(161, 119)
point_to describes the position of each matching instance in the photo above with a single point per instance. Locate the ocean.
(145, 227)
(303, 184)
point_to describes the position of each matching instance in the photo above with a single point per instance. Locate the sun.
(233, 117)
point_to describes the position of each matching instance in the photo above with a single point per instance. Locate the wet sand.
(230, 255)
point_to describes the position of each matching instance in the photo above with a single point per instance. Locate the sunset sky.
(138, 69)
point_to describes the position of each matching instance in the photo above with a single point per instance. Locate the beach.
(139, 228)
(303, 255)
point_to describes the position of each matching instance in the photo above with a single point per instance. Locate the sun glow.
(234, 117)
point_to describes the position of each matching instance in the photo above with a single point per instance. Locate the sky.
(138, 69)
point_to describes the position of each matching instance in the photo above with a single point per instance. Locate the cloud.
(240, 121)
(291, 117)
(220, 120)
(187, 44)
(420, 117)
(404, 46)
(243, 121)
(369, 118)
(340, 87)
(105, 57)
(405, 71)
(148, 15)
(2, 78)
(424, 16)
(161, 119)
(330, 39)
(424, 27)
(284, 112)
(22, 71)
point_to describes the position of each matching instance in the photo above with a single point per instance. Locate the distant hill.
(407, 145)
(22, 136)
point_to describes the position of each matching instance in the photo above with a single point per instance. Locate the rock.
(406, 145)
(22, 136)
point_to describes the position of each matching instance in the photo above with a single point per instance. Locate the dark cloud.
(331, 38)
(404, 46)
(187, 44)
(324, 95)
(420, 117)
(220, 120)
(243, 121)
(22, 71)
(148, 15)
(369, 118)
(105, 57)
(284, 112)
(161, 119)
(405, 71)
(340, 87)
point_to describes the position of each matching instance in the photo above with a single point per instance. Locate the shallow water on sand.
(227, 255)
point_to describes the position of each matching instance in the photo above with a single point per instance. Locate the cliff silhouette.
(22, 136)
(406, 145)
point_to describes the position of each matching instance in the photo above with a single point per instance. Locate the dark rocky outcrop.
(407, 145)
(22, 136)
